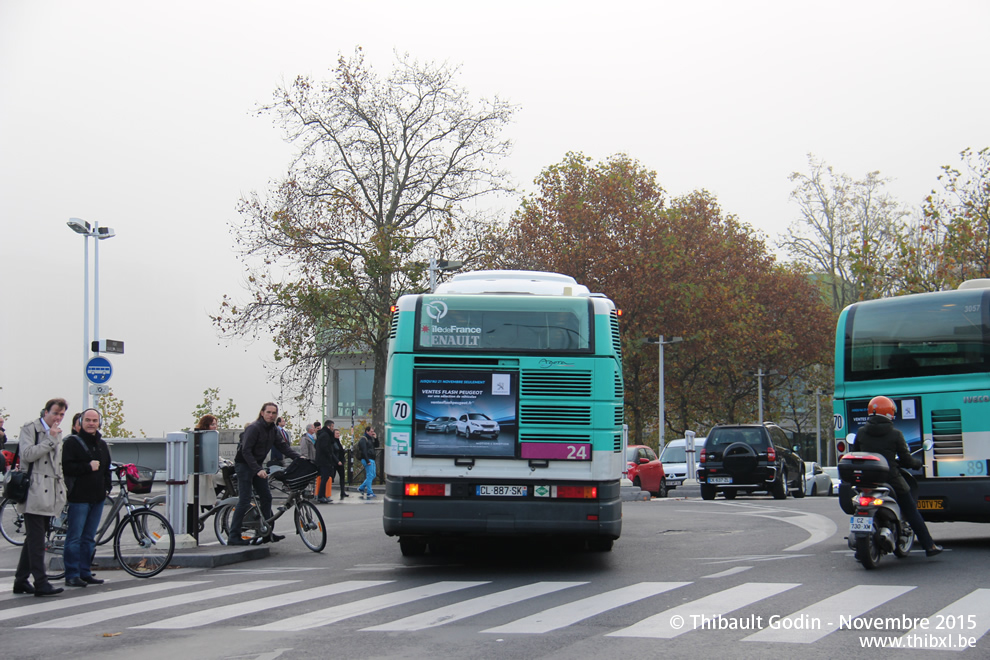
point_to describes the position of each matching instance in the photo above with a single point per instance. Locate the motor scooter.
(876, 527)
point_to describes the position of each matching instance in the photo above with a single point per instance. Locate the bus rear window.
(919, 335)
(504, 323)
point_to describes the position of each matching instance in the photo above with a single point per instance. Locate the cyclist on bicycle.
(256, 441)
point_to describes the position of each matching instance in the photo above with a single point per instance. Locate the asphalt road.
(750, 578)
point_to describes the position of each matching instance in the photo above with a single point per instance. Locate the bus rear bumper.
(947, 500)
(448, 516)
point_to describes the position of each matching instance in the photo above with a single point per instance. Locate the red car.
(645, 470)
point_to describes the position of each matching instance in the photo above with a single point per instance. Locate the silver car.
(442, 425)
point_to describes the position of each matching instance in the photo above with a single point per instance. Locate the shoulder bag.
(16, 482)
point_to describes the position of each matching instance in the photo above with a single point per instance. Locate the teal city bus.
(504, 417)
(930, 353)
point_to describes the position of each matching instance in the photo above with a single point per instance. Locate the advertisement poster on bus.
(465, 413)
(907, 421)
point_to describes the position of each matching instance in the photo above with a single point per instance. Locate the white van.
(674, 461)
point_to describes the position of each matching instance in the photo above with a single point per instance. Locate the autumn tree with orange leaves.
(677, 268)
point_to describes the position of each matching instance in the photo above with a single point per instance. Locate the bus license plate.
(931, 504)
(861, 524)
(720, 480)
(502, 491)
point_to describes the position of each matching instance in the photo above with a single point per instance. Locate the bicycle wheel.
(310, 526)
(221, 522)
(144, 543)
(108, 528)
(54, 548)
(249, 525)
(11, 523)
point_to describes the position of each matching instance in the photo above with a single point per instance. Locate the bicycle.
(12, 523)
(255, 528)
(143, 540)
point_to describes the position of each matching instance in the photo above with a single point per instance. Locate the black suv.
(749, 458)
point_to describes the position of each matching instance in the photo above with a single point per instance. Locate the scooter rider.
(879, 436)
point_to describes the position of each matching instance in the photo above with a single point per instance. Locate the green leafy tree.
(386, 174)
(226, 414)
(112, 413)
(950, 242)
(677, 267)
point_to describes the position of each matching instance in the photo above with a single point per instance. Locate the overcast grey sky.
(139, 115)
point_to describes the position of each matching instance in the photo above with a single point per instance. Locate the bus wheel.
(600, 544)
(412, 546)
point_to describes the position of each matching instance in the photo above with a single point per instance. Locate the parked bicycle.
(143, 540)
(12, 523)
(255, 527)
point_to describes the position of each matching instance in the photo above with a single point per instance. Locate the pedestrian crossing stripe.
(98, 616)
(95, 599)
(153, 596)
(206, 617)
(962, 618)
(462, 610)
(571, 613)
(340, 612)
(684, 618)
(852, 602)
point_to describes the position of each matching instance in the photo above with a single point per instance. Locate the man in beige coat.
(40, 447)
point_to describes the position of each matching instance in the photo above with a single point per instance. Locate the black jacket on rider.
(257, 440)
(878, 436)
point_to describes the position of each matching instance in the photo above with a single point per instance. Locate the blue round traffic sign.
(98, 370)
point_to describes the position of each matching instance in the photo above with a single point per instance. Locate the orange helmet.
(881, 405)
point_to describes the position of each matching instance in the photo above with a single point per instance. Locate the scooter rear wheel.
(904, 544)
(868, 550)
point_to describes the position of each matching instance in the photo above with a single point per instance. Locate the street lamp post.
(437, 265)
(660, 344)
(818, 394)
(99, 233)
(759, 373)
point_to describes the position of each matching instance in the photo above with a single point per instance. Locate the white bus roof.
(513, 281)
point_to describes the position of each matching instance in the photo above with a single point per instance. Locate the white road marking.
(727, 573)
(66, 601)
(99, 616)
(206, 617)
(340, 612)
(462, 610)
(825, 614)
(571, 613)
(966, 618)
(691, 616)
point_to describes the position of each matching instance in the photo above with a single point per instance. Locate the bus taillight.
(427, 490)
(577, 492)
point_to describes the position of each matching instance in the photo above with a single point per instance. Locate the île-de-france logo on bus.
(436, 310)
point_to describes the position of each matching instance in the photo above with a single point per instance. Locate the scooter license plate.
(861, 524)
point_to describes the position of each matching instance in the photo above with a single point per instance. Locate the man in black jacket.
(339, 455)
(86, 465)
(256, 441)
(879, 436)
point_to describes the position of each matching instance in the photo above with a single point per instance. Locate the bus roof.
(513, 281)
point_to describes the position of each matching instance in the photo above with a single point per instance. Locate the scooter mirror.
(928, 444)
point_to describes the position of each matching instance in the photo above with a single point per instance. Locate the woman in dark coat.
(325, 462)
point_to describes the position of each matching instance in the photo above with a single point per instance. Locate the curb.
(202, 557)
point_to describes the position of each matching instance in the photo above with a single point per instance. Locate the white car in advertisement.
(472, 425)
